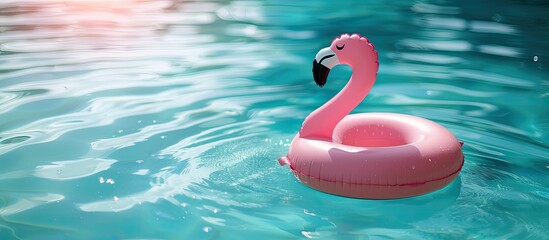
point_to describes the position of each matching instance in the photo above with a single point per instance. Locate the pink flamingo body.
(368, 155)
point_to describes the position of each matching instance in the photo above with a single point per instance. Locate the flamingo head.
(352, 50)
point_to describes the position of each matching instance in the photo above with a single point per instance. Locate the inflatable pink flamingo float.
(368, 155)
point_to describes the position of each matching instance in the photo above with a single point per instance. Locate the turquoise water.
(135, 119)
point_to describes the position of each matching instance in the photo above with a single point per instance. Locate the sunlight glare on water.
(140, 119)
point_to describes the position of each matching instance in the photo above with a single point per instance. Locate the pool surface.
(141, 119)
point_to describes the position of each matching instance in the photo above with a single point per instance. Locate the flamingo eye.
(340, 48)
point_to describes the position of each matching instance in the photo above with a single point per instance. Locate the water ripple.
(68, 170)
(174, 113)
(29, 202)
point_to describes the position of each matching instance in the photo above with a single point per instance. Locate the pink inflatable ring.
(369, 155)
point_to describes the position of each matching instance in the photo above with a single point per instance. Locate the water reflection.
(186, 106)
(435, 9)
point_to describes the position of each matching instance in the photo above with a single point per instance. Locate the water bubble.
(139, 161)
(115, 198)
(110, 181)
(413, 167)
(162, 137)
(429, 92)
(120, 131)
(184, 204)
(101, 180)
(535, 58)
(430, 160)
(206, 229)
(154, 121)
(215, 210)
(139, 121)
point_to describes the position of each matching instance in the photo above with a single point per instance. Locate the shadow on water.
(330, 215)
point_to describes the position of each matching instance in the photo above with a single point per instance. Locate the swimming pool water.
(141, 119)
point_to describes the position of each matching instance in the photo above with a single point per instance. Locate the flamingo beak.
(325, 60)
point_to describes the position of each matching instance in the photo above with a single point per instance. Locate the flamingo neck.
(321, 122)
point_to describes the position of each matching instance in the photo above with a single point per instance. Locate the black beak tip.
(320, 73)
